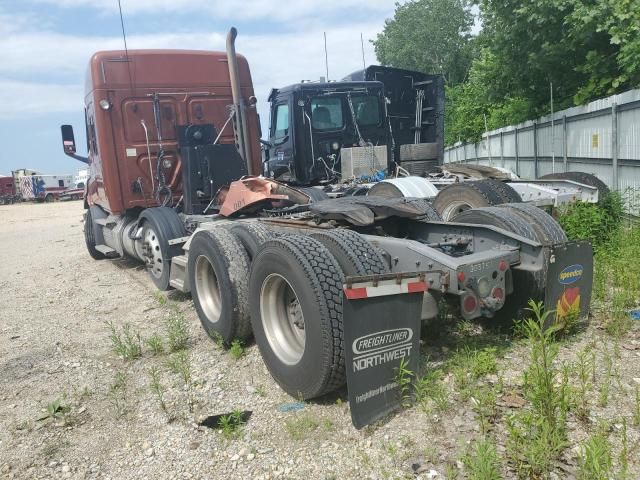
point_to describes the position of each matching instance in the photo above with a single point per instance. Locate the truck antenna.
(126, 50)
(326, 57)
(364, 64)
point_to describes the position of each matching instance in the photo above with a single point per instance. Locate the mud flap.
(569, 280)
(381, 320)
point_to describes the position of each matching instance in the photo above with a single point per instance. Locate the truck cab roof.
(324, 87)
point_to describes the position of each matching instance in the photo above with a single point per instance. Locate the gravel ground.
(55, 346)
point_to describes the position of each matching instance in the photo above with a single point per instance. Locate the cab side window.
(281, 126)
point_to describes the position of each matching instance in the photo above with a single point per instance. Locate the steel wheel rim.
(282, 319)
(208, 289)
(155, 262)
(454, 209)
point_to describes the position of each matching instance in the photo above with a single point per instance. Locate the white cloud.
(277, 59)
(28, 99)
(229, 9)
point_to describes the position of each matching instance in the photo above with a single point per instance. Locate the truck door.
(281, 153)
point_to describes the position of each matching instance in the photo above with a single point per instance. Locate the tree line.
(500, 59)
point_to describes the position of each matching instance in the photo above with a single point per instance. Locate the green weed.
(55, 411)
(623, 457)
(155, 344)
(177, 332)
(430, 387)
(118, 393)
(403, 378)
(156, 387)
(584, 371)
(483, 400)
(482, 462)
(180, 364)
(237, 349)
(299, 427)
(636, 408)
(126, 343)
(537, 437)
(231, 425)
(595, 459)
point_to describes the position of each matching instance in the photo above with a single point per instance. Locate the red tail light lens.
(502, 266)
(498, 293)
(461, 277)
(470, 304)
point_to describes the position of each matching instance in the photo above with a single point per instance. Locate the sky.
(45, 47)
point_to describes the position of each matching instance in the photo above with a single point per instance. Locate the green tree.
(468, 104)
(586, 48)
(613, 64)
(431, 36)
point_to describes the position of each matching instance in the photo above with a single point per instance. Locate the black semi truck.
(376, 119)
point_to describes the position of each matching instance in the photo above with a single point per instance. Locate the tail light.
(498, 294)
(469, 303)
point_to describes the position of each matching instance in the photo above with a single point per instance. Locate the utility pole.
(553, 137)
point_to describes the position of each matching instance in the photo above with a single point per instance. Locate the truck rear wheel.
(430, 213)
(458, 197)
(296, 314)
(159, 225)
(581, 177)
(252, 235)
(48, 198)
(528, 284)
(506, 191)
(549, 232)
(219, 277)
(354, 254)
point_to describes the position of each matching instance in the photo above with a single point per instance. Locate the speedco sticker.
(571, 274)
(381, 347)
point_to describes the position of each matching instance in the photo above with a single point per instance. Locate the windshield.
(326, 113)
(367, 109)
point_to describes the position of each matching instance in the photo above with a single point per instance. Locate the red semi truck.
(174, 163)
(7, 191)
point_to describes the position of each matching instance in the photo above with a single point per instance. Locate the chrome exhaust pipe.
(240, 120)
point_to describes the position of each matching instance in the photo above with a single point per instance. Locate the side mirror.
(68, 140)
(69, 143)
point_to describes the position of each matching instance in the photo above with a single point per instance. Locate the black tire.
(159, 225)
(430, 213)
(354, 254)
(459, 197)
(219, 277)
(582, 177)
(315, 194)
(549, 231)
(252, 235)
(90, 234)
(527, 284)
(48, 198)
(506, 191)
(290, 271)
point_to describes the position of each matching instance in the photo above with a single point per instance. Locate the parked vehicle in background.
(72, 194)
(8, 191)
(43, 188)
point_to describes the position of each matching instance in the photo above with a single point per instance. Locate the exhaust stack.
(239, 105)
